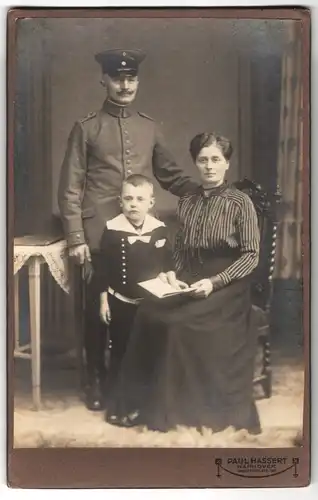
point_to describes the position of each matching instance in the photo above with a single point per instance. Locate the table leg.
(16, 313)
(35, 310)
(79, 315)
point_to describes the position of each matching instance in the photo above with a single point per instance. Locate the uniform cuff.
(76, 238)
(190, 186)
(219, 281)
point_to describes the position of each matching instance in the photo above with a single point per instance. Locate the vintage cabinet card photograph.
(158, 247)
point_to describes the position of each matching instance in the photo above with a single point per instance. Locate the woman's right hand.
(104, 309)
(202, 288)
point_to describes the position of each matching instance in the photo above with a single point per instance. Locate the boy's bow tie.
(133, 239)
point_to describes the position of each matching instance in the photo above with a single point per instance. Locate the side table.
(33, 251)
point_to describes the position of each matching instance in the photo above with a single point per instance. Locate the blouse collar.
(214, 191)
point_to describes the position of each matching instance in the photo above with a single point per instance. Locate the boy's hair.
(138, 180)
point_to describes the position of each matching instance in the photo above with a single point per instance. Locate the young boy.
(133, 248)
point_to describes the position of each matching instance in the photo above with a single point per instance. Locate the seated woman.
(190, 360)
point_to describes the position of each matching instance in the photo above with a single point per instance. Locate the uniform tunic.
(190, 361)
(103, 149)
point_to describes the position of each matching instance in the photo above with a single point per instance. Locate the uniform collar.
(116, 110)
(121, 223)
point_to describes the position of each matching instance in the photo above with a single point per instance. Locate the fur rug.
(63, 420)
(104, 436)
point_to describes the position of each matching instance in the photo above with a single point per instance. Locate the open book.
(161, 290)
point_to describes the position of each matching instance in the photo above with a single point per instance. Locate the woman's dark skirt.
(190, 362)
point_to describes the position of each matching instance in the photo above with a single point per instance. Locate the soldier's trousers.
(92, 334)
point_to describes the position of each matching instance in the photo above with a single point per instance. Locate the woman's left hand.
(202, 288)
(170, 277)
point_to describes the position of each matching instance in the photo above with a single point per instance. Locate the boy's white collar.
(121, 223)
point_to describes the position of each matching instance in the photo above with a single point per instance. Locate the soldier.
(103, 149)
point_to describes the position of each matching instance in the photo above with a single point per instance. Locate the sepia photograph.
(158, 231)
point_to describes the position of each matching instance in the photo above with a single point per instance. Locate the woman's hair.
(206, 139)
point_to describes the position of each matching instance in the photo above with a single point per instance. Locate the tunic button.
(126, 132)
(128, 161)
(123, 257)
(124, 282)
(127, 151)
(129, 171)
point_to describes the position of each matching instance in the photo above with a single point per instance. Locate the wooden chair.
(266, 205)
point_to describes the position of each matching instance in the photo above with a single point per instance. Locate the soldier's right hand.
(80, 253)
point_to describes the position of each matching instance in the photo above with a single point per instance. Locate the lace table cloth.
(55, 255)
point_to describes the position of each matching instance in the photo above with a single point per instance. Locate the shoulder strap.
(88, 117)
(145, 116)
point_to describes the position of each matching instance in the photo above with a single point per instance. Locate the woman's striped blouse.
(220, 219)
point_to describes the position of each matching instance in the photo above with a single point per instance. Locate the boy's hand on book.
(202, 288)
(163, 277)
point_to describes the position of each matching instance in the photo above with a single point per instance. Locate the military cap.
(119, 61)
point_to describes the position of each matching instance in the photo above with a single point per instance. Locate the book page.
(160, 289)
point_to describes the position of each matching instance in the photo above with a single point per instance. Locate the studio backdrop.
(229, 76)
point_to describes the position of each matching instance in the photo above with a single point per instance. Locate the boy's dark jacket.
(126, 257)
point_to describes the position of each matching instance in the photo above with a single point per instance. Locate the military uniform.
(103, 149)
(126, 258)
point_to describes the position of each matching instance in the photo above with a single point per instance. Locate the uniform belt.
(122, 297)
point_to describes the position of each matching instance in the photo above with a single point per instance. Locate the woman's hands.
(202, 288)
(170, 277)
(104, 309)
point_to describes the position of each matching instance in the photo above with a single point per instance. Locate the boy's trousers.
(122, 318)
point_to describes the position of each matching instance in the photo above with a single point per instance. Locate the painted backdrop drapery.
(290, 159)
(33, 173)
(288, 295)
